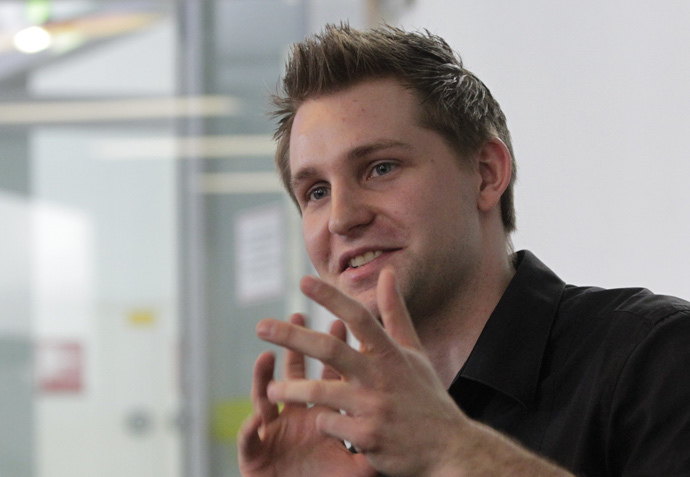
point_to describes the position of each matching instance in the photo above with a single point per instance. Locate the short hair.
(454, 102)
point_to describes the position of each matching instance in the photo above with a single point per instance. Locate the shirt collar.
(508, 354)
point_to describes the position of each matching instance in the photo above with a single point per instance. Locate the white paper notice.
(260, 249)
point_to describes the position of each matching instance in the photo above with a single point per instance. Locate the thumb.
(394, 315)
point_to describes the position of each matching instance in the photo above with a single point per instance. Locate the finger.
(248, 439)
(338, 330)
(263, 374)
(324, 347)
(346, 428)
(295, 366)
(359, 320)
(394, 315)
(331, 394)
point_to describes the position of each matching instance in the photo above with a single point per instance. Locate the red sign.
(59, 366)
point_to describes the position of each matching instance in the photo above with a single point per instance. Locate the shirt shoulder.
(611, 329)
(620, 357)
(635, 306)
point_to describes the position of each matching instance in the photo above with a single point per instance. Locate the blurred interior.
(145, 232)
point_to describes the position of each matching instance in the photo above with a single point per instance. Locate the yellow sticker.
(142, 318)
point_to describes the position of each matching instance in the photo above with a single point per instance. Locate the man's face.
(378, 190)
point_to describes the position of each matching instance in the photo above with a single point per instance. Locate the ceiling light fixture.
(32, 40)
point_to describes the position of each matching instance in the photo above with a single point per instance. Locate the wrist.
(479, 450)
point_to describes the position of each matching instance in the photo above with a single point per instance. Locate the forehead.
(373, 111)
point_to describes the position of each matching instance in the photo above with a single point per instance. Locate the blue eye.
(318, 193)
(382, 169)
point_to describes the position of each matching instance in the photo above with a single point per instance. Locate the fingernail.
(309, 283)
(263, 329)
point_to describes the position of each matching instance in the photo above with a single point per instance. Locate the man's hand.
(397, 412)
(284, 444)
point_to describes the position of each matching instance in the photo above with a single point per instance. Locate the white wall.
(597, 96)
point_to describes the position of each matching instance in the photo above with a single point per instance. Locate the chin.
(365, 296)
(370, 304)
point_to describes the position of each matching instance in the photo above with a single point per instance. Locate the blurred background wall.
(598, 104)
(144, 232)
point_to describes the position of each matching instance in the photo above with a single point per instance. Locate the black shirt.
(596, 380)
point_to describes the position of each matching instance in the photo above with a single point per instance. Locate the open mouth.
(359, 260)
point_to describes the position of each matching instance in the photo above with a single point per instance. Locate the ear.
(495, 169)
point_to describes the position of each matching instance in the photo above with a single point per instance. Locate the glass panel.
(247, 246)
(251, 237)
(89, 345)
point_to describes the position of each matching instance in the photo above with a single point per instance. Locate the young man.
(473, 360)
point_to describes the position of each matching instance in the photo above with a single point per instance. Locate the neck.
(451, 334)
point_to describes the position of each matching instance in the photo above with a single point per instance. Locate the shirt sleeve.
(649, 425)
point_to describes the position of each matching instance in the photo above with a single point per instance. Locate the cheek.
(315, 242)
(441, 214)
(422, 210)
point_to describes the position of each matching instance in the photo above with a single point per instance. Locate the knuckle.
(315, 391)
(382, 411)
(330, 349)
(370, 437)
(296, 369)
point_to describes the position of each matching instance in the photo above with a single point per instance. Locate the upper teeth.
(360, 260)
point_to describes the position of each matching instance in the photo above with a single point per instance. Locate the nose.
(350, 210)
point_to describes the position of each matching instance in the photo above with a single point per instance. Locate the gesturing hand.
(287, 443)
(397, 412)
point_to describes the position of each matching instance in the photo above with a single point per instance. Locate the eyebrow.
(367, 149)
(356, 153)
